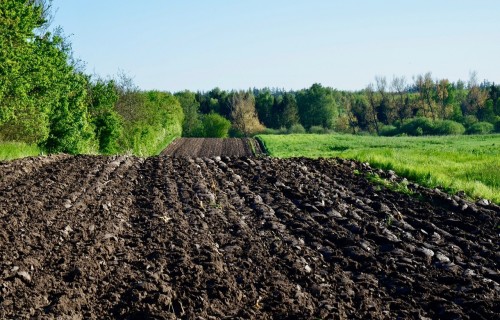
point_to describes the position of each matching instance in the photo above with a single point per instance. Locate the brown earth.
(91, 237)
(213, 147)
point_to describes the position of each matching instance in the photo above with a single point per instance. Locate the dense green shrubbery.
(480, 128)
(296, 128)
(447, 127)
(150, 123)
(318, 130)
(388, 131)
(215, 126)
(497, 125)
(417, 127)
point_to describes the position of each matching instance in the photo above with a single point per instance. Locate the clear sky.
(237, 44)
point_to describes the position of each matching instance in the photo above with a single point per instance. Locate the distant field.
(468, 163)
(14, 150)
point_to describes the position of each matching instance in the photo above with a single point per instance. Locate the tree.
(372, 102)
(317, 107)
(243, 114)
(192, 126)
(425, 87)
(106, 121)
(402, 106)
(215, 126)
(264, 101)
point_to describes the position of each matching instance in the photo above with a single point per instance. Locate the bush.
(497, 125)
(417, 127)
(150, 122)
(317, 130)
(274, 131)
(480, 128)
(448, 127)
(296, 128)
(215, 126)
(388, 131)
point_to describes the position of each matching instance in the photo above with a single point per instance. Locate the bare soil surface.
(213, 147)
(91, 237)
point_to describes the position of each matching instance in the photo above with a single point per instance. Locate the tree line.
(426, 106)
(48, 100)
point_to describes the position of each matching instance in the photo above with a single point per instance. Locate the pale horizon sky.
(199, 45)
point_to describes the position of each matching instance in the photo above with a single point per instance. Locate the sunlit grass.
(14, 150)
(467, 163)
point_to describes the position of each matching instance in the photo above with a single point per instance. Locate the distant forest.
(426, 106)
(47, 99)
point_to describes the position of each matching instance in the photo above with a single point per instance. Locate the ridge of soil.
(94, 237)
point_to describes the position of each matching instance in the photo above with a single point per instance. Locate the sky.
(239, 44)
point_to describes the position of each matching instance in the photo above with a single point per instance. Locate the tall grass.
(467, 163)
(14, 150)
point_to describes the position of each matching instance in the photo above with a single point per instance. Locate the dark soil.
(213, 147)
(90, 237)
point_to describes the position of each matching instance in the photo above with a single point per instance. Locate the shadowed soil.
(91, 237)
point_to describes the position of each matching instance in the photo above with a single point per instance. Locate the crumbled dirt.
(213, 147)
(92, 237)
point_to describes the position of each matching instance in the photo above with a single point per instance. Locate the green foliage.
(156, 119)
(296, 128)
(417, 127)
(497, 125)
(317, 106)
(317, 130)
(215, 126)
(480, 128)
(107, 123)
(388, 131)
(447, 127)
(468, 163)
(192, 125)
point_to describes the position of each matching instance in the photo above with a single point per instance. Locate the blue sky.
(200, 44)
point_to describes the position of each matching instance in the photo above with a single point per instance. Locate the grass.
(14, 150)
(454, 163)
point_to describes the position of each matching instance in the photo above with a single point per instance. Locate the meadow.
(452, 163)
(15, 150)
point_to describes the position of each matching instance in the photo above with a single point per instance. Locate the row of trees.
(380, 108)
(46, 99)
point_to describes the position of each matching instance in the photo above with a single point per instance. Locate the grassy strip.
(468, 163)
(15, 150)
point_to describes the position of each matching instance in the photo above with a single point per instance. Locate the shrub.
(388, 131)
(296, 128)
(215, 126)
(497, 125)
(317, 130)
(448, 127)
(417, 127)
(480, 128)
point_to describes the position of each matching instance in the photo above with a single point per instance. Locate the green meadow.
(453, 163)
(14, 150)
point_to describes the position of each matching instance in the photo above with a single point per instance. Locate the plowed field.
(90, 237)
(213, 147)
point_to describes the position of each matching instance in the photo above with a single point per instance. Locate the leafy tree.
(243, 114)
(215, 126)
(106, 121)
(317, 107)
(192, 125)
(264, 101)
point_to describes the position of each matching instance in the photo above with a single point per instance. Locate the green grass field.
(14, 150)
(468, 163)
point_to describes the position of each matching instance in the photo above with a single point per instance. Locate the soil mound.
(208, 238)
